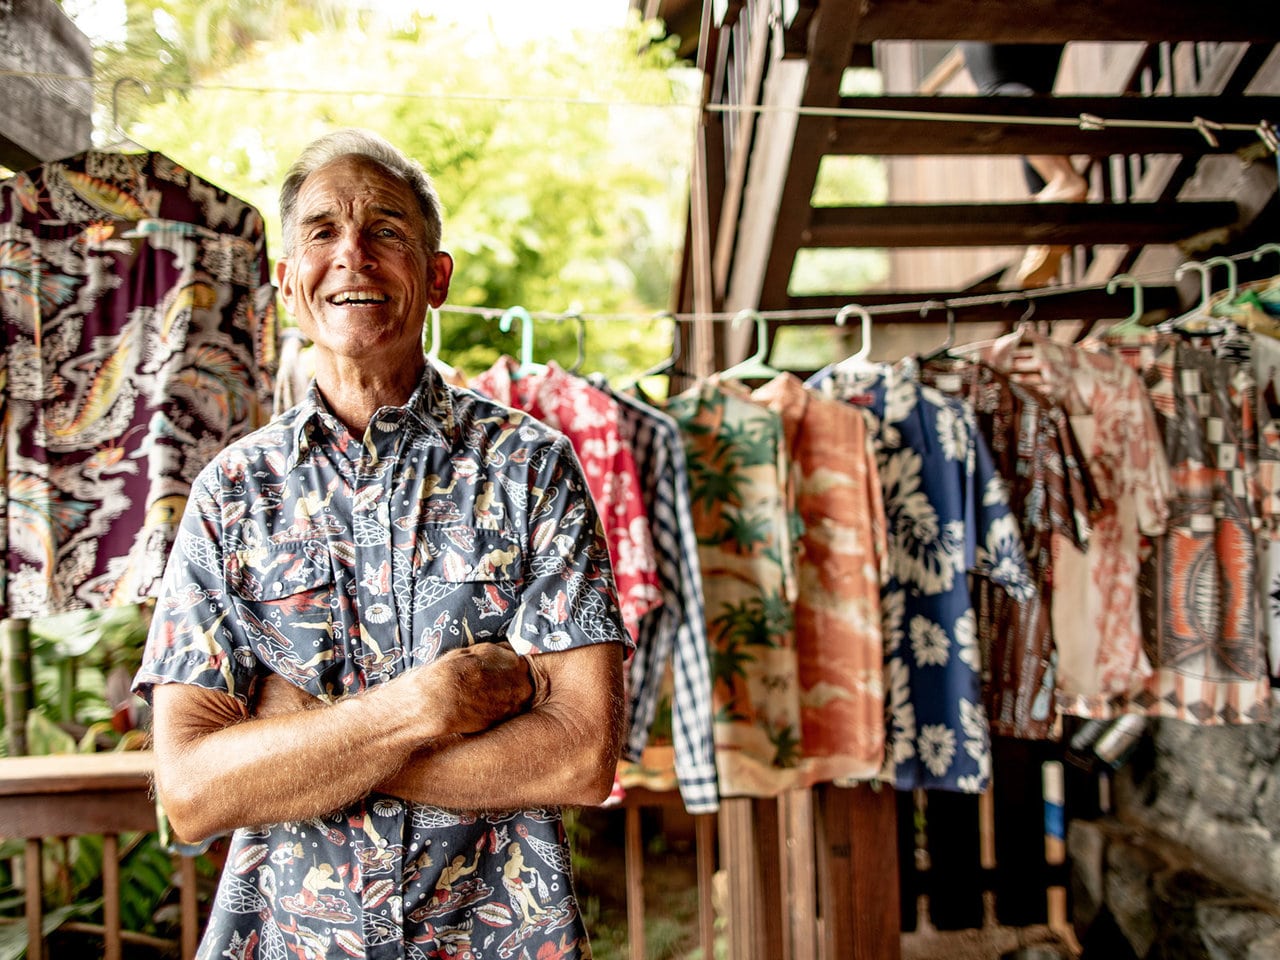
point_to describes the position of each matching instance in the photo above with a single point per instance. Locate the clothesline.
(1085, 121)
(1003, 298)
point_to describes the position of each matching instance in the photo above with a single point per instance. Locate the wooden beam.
(999, 224)
(885, 136)
(783, 171)
(1060, 21)
(42, 118)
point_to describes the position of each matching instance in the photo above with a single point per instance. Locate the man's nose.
(354, 251)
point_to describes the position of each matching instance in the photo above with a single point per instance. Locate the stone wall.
(1188, 863)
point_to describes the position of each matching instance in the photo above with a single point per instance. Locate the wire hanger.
(858, 359)
(943, 352)
(526, 366)
(123, 142)
(575, 313)
(668, 364)
(754, 367)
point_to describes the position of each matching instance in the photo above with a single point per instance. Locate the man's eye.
(321, 233)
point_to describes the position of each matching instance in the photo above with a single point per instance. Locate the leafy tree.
(549, 201)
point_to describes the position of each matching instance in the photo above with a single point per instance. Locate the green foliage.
(561, 163)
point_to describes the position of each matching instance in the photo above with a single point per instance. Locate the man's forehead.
(350, 182)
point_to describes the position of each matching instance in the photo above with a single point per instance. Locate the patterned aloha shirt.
(948, 516)
(339, 563)
(736, 452)
(1051, 493)
(140, 339)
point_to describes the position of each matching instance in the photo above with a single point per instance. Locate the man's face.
(359, 278)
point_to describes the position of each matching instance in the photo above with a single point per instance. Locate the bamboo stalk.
(17, 684)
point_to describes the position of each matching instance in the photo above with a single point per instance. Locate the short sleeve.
(569, 597)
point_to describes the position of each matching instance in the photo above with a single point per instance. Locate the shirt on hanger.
(1096, 623)
(948, 517)
(841, 564)
(139, 340)
(1050, 491)
(589, 418)
(1199, 581)
(676, 631)
(735, 449)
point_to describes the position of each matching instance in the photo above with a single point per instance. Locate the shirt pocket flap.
(470, 555)
(279, 571)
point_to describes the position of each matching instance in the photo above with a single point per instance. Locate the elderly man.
(388, 636)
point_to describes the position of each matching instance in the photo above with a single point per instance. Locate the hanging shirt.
(1199, 582)
(947, 516)
(1266, 359)
(676, 631)
(841, 564)
(1095, 595)
(589, 418)
(1050, 492)
(339, 563)
(139, 340)
(738, 483)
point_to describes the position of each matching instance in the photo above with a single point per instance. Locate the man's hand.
(474, 688)
(467, 690)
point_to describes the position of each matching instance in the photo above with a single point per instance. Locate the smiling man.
(388, 637)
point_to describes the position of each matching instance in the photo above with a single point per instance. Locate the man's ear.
(438, 280)
(284, 281)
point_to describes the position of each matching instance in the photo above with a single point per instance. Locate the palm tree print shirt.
(338, 563)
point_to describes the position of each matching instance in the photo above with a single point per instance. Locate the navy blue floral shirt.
(339, 562)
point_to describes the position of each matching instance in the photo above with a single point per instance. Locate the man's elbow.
(186, 810)
(597, 763)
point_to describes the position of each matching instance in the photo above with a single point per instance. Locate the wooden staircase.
(1158, 196)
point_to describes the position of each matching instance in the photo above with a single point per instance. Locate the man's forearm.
(268, 770)
(564, 752)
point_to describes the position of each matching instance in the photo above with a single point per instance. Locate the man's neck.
(354, 393)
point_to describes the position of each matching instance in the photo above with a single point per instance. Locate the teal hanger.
(754, 367)
(1133, 322)
(526, 338)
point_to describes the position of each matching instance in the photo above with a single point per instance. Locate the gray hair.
(354, 142)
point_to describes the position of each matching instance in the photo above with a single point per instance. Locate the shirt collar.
(430, 404)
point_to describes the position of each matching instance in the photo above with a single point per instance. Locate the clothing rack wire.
(1206, 127)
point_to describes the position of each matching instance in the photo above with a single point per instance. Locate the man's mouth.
(358, 298)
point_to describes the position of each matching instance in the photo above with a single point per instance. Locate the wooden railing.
(78, 795)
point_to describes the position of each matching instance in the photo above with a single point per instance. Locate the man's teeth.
(342, 298)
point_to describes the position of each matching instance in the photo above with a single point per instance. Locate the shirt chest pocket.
(285, 595)
(471, 581)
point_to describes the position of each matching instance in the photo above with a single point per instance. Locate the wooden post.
(633, 857)
(17, 684)
(35, 906)
(111, 896)
(188, 903)
(704, 841)
(798, 883)
(858, 873)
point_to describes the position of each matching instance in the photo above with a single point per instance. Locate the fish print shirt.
(140, 340)
(947, 516)
(338, 563)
